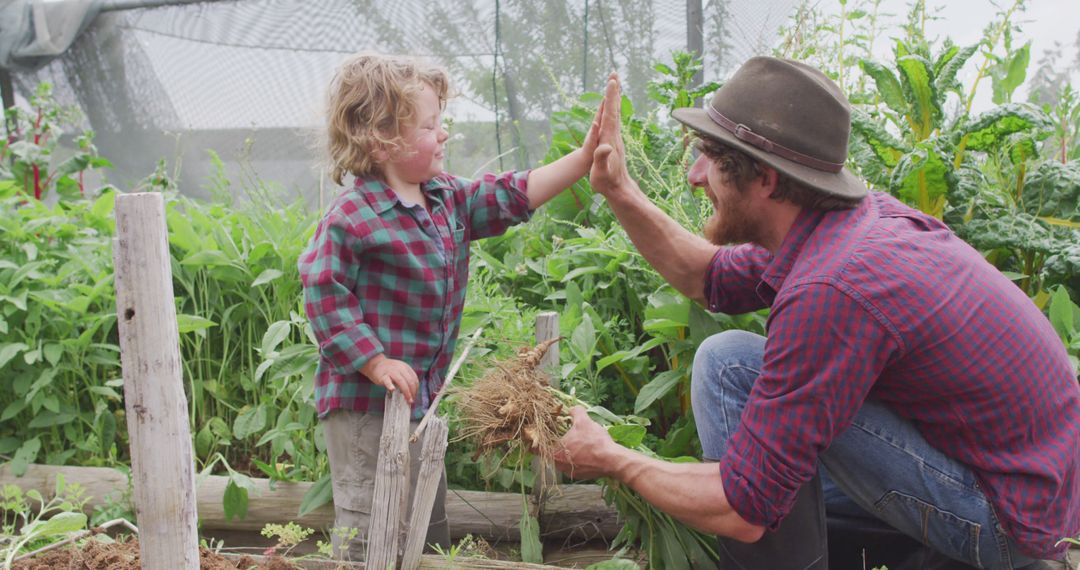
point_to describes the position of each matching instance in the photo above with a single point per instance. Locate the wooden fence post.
(390, 499)
(162, 465)
(547, 328)
(432, 459)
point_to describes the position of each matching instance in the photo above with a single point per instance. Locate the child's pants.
(352, 444)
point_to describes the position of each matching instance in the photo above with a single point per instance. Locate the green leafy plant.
(288, 535)
(30, 521)
(28, 155)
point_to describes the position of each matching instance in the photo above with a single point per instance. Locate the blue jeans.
(880, 468)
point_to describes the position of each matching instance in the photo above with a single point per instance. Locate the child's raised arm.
(546, 181)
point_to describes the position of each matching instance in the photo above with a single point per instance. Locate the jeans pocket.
(944, 531)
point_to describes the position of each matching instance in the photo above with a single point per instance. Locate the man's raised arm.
(680, 256)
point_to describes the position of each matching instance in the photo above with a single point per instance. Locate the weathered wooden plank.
(427, 562)
(576, 511)
(162, 464)
(390, 499)
(432, 459)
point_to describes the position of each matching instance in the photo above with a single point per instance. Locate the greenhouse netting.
(236, 87)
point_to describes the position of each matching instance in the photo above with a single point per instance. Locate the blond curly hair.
(372, 100)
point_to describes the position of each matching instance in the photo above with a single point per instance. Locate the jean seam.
(724, 369)
(974, 528)
(1000, 538)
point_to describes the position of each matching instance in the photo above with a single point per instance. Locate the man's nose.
(699, 171)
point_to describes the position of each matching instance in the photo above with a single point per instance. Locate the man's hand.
(608, 174)
(393, 375)
(582, 455)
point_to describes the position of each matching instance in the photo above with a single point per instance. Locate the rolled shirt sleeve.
(495, 202)
(824, 351)
(327, 270)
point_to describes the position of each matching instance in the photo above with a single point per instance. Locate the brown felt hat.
(787, 115)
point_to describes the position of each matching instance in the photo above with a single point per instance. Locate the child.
(385, 273)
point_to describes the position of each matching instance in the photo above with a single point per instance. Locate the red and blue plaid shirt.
(883, 301)
(384, 276)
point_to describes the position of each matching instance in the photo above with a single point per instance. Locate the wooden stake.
(547, 328)
(432, 458)
(162, 466)
(390, 499)
(449, 378)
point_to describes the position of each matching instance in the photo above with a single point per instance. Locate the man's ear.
(768, 180)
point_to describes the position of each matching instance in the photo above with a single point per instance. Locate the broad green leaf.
(9, 351)
(1063, 313)
(250, 422)
(887, 148)
(321, 492)
(26, 455)
(1053, 191)
(657, 388)
(948, 66)
(106, 432)
(48, 419)
(627, 435)
(266, 277)
(275, 334)
(9, 444)
(915, 77)
(888, 86)
(992, 128)
(13, 409)
(922, 177)
(235, 501)
(192, 323)
(58, 524)
(532, 551)
(583, 340)
(1011, 74)
(53, 351)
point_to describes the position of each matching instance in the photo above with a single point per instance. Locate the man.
(916, 382)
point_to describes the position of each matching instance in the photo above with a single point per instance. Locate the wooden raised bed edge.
(570, 511)
(427, 562)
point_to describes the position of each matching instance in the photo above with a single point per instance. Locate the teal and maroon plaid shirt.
(384, 276)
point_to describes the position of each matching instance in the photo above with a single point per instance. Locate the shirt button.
(427, 223)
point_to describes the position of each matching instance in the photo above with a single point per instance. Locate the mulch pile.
(95, 555)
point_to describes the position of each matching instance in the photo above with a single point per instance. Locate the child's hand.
(393, 375)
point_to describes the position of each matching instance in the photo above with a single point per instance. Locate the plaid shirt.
(384, 276)
(885, 302)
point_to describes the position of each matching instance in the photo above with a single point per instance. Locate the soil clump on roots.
(511, 408)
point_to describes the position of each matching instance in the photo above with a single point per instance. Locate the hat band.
(743, 133)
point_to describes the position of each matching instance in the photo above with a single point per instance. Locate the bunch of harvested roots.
(512, 408)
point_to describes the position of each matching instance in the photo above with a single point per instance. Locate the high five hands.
(608, 174)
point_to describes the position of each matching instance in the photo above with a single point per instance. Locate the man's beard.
(731, 222)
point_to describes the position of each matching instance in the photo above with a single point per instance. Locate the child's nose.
(443, 134)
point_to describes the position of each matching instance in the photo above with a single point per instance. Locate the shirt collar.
(381, 197)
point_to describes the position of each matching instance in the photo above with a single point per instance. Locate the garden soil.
(96, 555)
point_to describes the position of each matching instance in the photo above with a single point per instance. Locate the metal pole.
(116, 5)
(695, 39)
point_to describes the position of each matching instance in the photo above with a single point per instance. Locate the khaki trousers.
(352, 444)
